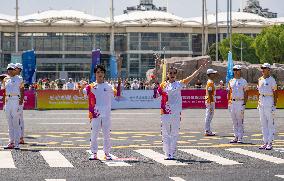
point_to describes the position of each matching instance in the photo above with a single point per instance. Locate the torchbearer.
(171, 107)
(100, 94)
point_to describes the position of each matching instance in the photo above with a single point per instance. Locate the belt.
(12, 95)
(237, 99)
(266, 95)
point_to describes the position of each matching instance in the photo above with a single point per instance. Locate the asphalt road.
(57, 143)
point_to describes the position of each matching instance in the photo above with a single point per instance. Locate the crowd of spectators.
(126, 84)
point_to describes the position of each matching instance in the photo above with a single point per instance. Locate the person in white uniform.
(237, 98)
(267, 88)
(18, 69)
(70, 85)
(171, 107)
(210, 100)
(14, 97)
(100, 94)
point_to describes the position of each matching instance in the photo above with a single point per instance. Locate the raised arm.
(195, 73)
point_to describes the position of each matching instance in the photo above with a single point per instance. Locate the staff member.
(18, 69)
(267, 88)
(210, 100)
(14, 97)
(237, 98)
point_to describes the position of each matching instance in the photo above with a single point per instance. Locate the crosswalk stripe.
(55, 159)
(210, 157)
(6, 160)
(158, 157)
(257, 155)
(280, 176)
(177, 179)
(111, 163)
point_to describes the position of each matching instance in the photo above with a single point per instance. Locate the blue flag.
(29, 66)
(230, 72)
(96, 59)
(113, 67)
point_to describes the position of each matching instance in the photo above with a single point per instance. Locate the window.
(175, 41)
(150, 41)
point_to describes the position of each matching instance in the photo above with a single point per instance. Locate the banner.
(113, 67)
(96, 59)
(29, 66)
(61, 99)
(196, 99)
(136, 99)
(253, 99)
(29, 99)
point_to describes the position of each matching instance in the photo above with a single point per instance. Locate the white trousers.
(97, 124)
(22, 125)
(170, 124)
(12, 110)
(267, 118)
(210, 108)
(237, 114)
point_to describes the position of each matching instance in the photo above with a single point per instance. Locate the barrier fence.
(139, 99)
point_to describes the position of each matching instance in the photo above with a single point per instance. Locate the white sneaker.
(93, 156)
(108, 157)
(269, 146)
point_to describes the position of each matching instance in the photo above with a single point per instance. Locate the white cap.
(11, 66)
(19, 65)
(266, 65)
(211, 71)
(237, 67)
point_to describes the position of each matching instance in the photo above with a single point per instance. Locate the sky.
(183, 8)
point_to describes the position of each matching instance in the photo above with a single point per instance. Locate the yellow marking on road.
(68, 141)
(158, 143)
(145, 144)
(140, 140)
(188, 136)
(279, 140)
(80, 140)
(194, 132)
(4, 133)
(116, 139)
(67, 144)
(204, 143)
(122, 137)
(136, 136)
(34, 135)
(192, 140)
(65, 134)
(77, 137)
(182, 142)
(54, 136)
(256, 135)
(4, 138)
(50, 143)
(256, 139)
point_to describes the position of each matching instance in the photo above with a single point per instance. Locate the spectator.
(70, 85)
(52, 85)
(141, 85)
(127, 85)
(198, 84)
(135, 85)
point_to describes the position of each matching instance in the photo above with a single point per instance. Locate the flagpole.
(217, 32)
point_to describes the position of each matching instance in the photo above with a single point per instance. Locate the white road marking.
(210, 157)
(61, 123)
(158, 157)
(6, 160)
(111, 163)
(257, 155)
(177, 179)
(55, 159)
(280, 176)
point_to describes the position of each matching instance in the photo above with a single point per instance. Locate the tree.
(212, 52)
(269, 44)
(240, 41)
